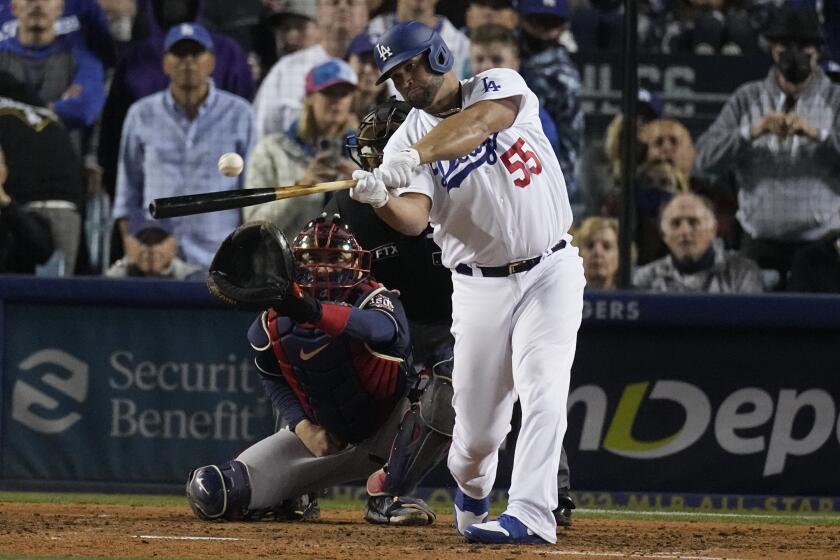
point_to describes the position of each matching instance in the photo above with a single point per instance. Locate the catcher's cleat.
(302, 508)
(393, 510)
(565, 505)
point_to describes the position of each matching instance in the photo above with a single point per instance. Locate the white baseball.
(231, 164)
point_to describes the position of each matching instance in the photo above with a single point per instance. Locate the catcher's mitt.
(253, 268)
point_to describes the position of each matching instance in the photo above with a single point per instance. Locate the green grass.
(692, 515)
(79, 498)
(132, 499)
(443, 505)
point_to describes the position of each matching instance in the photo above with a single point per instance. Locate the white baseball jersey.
(507, 199)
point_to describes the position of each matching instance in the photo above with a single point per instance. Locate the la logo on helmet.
(384, 51)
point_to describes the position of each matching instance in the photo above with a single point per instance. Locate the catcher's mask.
(330, 262)
(367, 146)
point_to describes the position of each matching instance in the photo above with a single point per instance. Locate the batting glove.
(397, 170)
(369, 189)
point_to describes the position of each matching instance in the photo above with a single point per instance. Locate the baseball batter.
(412, 267)
(472, 160)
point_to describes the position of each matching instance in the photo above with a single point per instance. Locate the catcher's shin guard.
(425, 435)
(219, 492)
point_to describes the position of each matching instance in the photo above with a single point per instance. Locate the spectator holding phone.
(311, 151)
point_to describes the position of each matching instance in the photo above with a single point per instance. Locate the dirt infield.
(120, 531)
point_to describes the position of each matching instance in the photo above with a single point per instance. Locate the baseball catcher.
(332, 347)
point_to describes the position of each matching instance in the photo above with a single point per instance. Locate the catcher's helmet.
(330, 262)
(408, 39)
(366, 147)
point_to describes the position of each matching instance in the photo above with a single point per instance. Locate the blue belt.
(510, 268)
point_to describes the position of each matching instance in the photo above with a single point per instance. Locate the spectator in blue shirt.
(83, 22)
(138, 73)
(65, 76)
(172, 140)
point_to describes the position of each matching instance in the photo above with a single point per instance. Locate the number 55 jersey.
(507, 199)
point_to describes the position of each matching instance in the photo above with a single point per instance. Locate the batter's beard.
(426, 96)
(37, 26)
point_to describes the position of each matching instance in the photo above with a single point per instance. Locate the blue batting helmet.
(409, 39)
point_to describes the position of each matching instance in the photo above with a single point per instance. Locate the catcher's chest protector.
(347, 388)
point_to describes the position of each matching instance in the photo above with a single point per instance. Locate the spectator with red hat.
(310, 151)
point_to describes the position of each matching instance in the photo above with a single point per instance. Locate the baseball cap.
(188, 32)
(332, 72)
(361, 44)
(794, 25)
(139, 223)
(301, 8)
(557, 8)
(650, 103)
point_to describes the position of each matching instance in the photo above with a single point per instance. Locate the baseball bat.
(190, 204)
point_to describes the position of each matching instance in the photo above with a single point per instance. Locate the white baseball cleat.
(469, 511)
(504, 530)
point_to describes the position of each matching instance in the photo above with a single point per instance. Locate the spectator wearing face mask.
(780, 137)
(696, 260)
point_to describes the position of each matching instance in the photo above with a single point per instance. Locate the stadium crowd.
(108, 104)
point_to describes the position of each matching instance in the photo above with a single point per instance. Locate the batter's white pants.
(515, 336)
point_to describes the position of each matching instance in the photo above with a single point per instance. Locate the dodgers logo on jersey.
(454, 171)
(490, 85)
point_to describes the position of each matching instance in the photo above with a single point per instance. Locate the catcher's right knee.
(219, 492)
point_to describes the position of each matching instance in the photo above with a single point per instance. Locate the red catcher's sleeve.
(334, 318)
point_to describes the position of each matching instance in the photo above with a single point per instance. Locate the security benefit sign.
(710, 410)
(124, 394)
